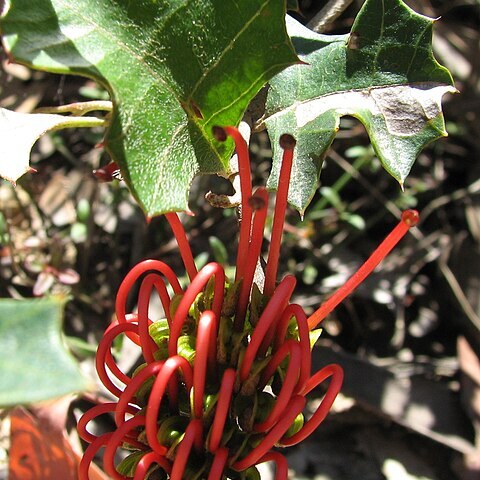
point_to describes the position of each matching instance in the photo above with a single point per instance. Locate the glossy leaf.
(173, 69)
(34, 364)
(382, 73)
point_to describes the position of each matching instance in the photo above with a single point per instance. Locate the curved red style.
(226, 374)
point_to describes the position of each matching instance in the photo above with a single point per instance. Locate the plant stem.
(339, 184)
(81, 122)
(79, 108)
(330, 12)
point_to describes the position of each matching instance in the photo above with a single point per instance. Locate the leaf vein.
(226, 49)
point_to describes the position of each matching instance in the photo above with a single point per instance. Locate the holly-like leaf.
(34, 364)
(382, 73)
(18, 133)
(174, 68)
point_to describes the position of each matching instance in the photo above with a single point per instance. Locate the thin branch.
(78, 108)
(329, 13)
(459, 293)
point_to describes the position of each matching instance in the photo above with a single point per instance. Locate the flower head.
(227, 371)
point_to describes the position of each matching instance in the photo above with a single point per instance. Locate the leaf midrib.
(224, 52)
(140, 59)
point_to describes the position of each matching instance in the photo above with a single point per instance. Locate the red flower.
(227, 372)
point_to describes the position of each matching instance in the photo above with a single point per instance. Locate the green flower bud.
(171, 429)
(186, 347)
(296, 425)
(159, 331)
(266, 402)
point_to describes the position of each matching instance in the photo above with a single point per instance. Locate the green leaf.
(18, 133)
(34, 364)
(173, 68)
(383, 73)
(314, 335)
(129, 464)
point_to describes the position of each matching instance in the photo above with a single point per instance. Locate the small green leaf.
(314, 336)
(34, 364)
(173, 68)
(219, 250)
(129, 464)
(18, 133)
(383, 73)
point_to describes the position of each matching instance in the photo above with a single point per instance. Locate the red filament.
(223, 406)
(279, 216)
(204, 353)
(409, 219)
(183, 245)
(169, 368)
(146, 461)
(219, 464)
(253, 254)
(182, 408)
(246, 192)
(334, 371)
(192, 439)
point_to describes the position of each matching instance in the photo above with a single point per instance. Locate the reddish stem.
(183, 244)
(149, 347)
(114, 442)
(222, 408)
(155, 280)
(273, 436)
(90, 454)
(265, 325)
(131, 319)
(192, 438)
(218, 465)
(279, 214)
(129, 393)
(204, 353)
(296, 311)
(198, 284)
(260, 199)
(334, 371)
(281, 471)
(145, 463)
(409, 219)
(292, 348)
(89, 415)
(95, 412)
(169, 368)
(108, 172)
(246, 192)
(135, 273)
(103, 353)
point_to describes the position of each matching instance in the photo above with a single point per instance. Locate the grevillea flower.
(226, 373)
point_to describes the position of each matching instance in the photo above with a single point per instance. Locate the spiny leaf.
(34, 364)
(174, 68)
(383, 73)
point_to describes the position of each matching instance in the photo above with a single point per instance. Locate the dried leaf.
(18, 133)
